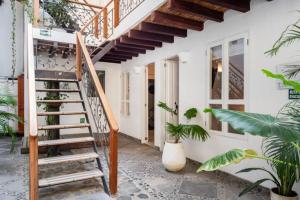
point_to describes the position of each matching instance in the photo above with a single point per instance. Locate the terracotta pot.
(275, 196)
(173, 157)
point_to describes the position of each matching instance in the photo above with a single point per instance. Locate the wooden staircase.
(61, 160)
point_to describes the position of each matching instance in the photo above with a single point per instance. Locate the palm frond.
(191, 113)
(291, 71)
(194, 131)
(290, 35)
(167, 108)
(253, 186)
(8, 101)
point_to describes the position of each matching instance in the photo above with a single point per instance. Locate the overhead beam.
(126, 39)
(150, 36)
(110, 61)
(129, 49)
(119, 44)
(195, 9)
(161, 29)
(107, 57)
(239, 5)
(103, 51)
(118, 56)
(173, 20)
(124, 53)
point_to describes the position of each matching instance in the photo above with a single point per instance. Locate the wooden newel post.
(33, 168)
(96, 23)
(113, 160)
(78, 58)
(116, 13)
(105, 23)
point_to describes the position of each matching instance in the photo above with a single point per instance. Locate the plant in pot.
(281, 146)
(173, 157)
(5, 128)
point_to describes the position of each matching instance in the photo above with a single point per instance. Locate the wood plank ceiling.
(170, 20)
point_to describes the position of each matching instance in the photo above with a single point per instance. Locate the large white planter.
(275, 196)
(173, 157)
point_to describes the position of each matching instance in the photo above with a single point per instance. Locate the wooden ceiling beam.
(118, 56)
(150, 36)
(161, 29)
(124, 53)
(176, 21)
(129, 49)
(108, 57)
(110, 61)
(195, 9)
(119, 44)
(239, 5)
(126, 39)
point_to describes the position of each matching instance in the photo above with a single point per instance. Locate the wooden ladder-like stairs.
(61, 160)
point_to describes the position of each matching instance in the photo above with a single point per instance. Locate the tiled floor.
(141, 176)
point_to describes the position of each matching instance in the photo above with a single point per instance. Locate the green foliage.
(293, 84)
(167, 108)
(256, 124)
(289, 36)
(231, 157)
(183, 131)
(5, 128)
(191, 113)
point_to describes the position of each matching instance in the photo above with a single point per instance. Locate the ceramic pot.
(275, 196)
(173, 157)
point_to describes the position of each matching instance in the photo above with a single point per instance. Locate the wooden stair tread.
(63, 126)
(61, 113)
(57, 90)
(67, 158)
(59, 101)
(56, 79)
(65, 141)
(56, 180)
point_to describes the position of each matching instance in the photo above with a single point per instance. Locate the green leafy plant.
(5, 128)
(183, 131)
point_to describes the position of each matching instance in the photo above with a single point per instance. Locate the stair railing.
(101, 110)
(32, 119)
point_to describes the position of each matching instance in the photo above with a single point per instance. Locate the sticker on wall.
(290, 72)
(294, 94)
(45, 32)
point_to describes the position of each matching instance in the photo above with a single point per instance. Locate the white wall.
(263, 24)
(5, 39)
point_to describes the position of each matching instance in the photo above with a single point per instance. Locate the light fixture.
(219, 67)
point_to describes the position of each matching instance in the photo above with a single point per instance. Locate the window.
(227, 80)
(125, 97)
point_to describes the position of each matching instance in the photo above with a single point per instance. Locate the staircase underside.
(172, 19)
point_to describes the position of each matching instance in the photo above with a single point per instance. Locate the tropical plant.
(5, 117)
(183, 131)
(281, 147)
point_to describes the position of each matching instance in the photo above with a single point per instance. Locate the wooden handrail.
(32, 119)
(81, 49)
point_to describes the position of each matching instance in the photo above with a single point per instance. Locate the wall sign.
(294, 94)
(45, 32)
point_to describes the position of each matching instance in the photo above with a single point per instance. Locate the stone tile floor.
(141, 176)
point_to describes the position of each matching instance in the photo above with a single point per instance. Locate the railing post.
(116, 13)
(33, 168)
(113, 160)
(78, 59)
(96, 30)
(36, 12)
(105, 23)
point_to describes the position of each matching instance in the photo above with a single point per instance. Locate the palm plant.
(5, 128)
(281, 148)
(183, 131)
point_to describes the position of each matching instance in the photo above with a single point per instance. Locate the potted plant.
(173, 157)
(5, 128)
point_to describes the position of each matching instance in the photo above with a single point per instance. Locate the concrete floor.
(141, 176)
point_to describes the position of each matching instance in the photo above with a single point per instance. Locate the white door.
(172, 91)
